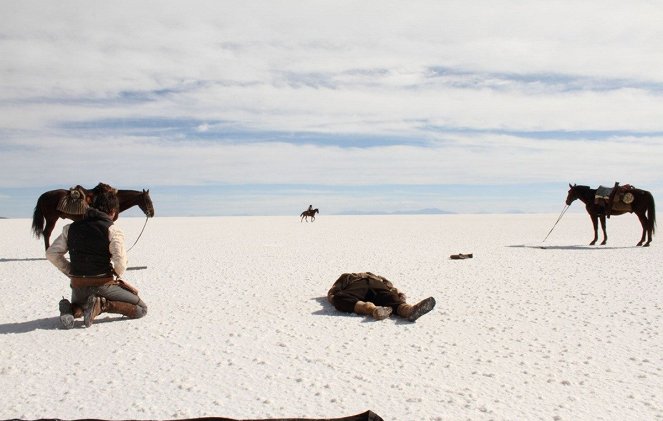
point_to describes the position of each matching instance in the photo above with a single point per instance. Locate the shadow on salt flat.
(329, 310)
(48, 323)
(25, 259)
(571, 247)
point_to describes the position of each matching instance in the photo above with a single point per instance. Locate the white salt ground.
(238, 325)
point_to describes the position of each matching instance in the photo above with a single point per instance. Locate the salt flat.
(238, 325)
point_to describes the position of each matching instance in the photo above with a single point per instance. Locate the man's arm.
(55, 253)
(116, 248)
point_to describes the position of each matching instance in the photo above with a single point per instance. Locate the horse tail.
(651, 212)
(38, 220)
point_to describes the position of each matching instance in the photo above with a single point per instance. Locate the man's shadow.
(329, 310)
(48, 323)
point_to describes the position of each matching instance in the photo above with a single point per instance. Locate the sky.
(265, 107)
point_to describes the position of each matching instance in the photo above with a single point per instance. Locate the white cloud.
(455, 80)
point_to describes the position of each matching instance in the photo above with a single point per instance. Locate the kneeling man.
(97, 255)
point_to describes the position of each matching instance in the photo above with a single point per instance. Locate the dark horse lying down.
(309, 213)
(642, 205)
(47, 211)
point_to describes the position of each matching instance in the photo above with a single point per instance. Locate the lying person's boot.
(94, 306)
(381, 313)
(413, 312)
(66, 314)
(370, 309)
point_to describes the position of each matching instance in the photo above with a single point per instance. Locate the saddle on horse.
(78, 199)
(75, 202)
(617, 198)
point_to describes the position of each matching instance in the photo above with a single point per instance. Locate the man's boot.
(66, 314)
(120, 307)
(413, 312)
(94, 306)
(370, 309)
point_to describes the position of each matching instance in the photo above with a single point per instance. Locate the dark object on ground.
(461, 256)
(366, 416)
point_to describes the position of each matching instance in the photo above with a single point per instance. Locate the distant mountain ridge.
(426, 211)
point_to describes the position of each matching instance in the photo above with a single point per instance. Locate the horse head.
(572, 195)
(145, 204)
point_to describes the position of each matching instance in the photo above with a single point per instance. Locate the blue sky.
(262, 108)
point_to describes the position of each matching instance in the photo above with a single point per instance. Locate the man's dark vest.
(88, 245)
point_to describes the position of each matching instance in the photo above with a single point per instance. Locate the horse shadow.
(576, 247)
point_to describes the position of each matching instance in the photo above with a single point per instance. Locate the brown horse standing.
(309, 213)
(47, 211)
(643, 206)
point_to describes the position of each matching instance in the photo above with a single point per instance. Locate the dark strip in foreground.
(366, 416)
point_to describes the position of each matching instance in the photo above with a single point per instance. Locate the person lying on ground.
(373, 295)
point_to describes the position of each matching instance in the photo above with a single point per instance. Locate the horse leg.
(643, 222)
(605, 234)
(48, 229)
(595, 223)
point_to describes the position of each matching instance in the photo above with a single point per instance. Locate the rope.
(558, 219)
(141, 233)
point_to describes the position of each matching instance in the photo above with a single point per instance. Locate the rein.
(558, 219)
(141, 233)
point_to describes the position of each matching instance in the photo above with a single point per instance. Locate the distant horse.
(47, 211)
(643, 206)
(307, 213)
